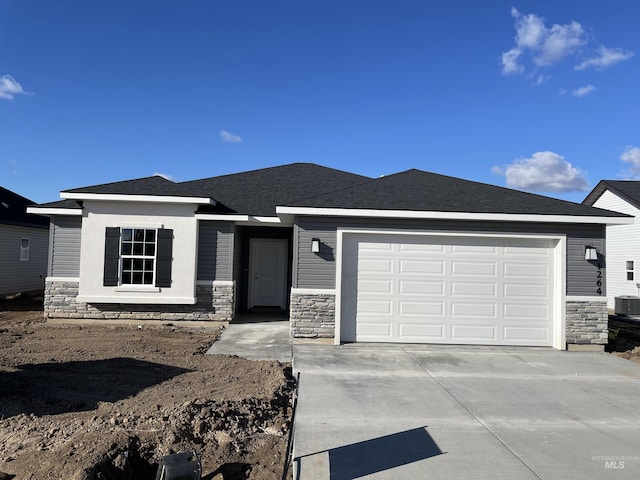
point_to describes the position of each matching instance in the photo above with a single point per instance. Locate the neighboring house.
(623, 241)
(24, 243)
(410, 257)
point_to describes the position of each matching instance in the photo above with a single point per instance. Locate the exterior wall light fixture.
(315, 245)
(590, 253)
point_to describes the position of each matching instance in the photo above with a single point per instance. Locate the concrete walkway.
(256, 340)
(423, 412)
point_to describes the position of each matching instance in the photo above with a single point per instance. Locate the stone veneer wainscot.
(312, 314)
(587, 322)
(214, 303)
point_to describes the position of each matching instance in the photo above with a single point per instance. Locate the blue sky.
(536, 95)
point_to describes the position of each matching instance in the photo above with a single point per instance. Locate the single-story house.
(623, 241)
(411, 257)
(24, 244)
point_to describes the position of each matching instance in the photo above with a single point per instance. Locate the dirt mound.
(107, 402)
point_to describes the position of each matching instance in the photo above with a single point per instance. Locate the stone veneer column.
(312, 313)
(215, 302)
(587, 321)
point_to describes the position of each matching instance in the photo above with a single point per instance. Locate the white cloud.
(632, 155)
(543, 172)
(562, 91)
(165, 176)
(605, 58)
(9, 88)
(510, 65)
(582, 91)
(547, 45)
(230, 137)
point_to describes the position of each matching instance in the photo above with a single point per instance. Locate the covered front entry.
(448, 289)
(262, 267)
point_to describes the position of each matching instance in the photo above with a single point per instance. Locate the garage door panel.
(365, 246)
(370, 306)
(417, 246)
(526, 270)
(526, 290)
(375, 286)
(440, 289)
(422, 308)
(375, 266)
(473, 333)
(474, 249)
(476, 310)
(487, 269)
(373, 331)
(526, 334)
(540, 250)
(422, 332)
(474, 289)
(533, 311)
(421, 266)
(414, 287)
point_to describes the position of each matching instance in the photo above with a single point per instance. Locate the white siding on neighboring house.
(623, 244)
(28, 274)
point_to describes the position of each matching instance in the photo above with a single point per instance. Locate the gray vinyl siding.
(215, 250)
(65, 246)
(26, 276)
(318, 270)
(582, 274)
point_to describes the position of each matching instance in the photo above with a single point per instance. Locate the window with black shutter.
(138, 256)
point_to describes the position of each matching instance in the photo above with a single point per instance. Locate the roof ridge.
(273, 167)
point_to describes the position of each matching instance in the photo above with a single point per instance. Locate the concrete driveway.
(425, 412)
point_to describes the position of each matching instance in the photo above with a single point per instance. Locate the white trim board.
(54, 211)
(136, 198)
(501, 217)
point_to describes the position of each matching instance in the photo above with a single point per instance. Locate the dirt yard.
(84, 402)
(624, 339)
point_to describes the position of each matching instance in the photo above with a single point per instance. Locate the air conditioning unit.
(628, 305)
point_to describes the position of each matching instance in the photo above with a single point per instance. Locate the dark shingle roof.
(155, 185)
(68, 204)
(258, 192)
(627, 189)
(423, 191)
(13, 210)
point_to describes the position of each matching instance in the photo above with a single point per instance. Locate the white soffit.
(239, 218)
(500, 217)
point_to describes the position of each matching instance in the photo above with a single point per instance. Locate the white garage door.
(459, 290)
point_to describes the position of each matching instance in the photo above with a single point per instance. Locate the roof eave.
(602, 187)
(137, 198)
(48, 211)
(285, 212)
(251, 219)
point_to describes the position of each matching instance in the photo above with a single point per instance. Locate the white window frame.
(629, 268)
(144, 257)
(24, 251)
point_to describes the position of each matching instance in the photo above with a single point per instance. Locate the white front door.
(430, 289)
(268, 273)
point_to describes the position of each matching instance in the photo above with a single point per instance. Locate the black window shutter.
(111, 256)
(164, 258)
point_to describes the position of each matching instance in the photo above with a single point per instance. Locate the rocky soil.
(624, 338)
(104, 401)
